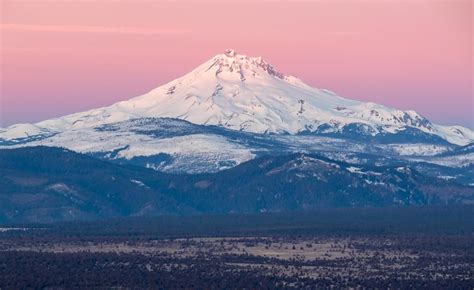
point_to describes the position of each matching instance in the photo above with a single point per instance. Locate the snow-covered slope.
(246, 93)
(19, 131)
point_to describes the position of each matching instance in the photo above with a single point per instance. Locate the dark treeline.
(452, 220)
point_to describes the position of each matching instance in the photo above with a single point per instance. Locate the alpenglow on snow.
(245, 93)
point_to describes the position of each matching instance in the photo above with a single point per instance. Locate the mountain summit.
(246, 93)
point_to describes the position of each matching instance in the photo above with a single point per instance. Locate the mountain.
(44, 184)
(247, 93)
(234, 108)
(307, 181)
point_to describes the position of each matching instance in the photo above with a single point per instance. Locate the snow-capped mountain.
(245, 93)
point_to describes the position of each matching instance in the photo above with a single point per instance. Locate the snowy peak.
(232, 66)
(231, 61)
(230, 52)
(246, 93)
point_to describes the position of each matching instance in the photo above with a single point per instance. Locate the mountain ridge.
(44, 184)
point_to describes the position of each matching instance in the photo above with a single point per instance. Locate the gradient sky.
(59, 57)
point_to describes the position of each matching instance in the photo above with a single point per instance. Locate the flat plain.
(404, 249)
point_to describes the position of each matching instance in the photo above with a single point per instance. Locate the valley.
(399, 248)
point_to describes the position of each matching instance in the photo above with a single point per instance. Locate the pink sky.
(60, 57)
